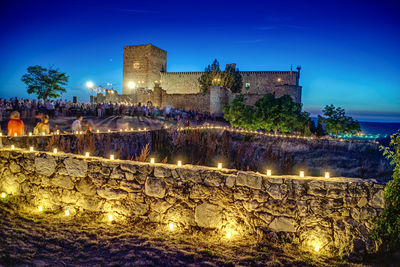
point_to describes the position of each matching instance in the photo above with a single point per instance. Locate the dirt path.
(33, 239)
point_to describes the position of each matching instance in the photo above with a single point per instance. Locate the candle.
(15, 134)
(111, 157)
(219, 165)
(40, 208)
(12, 147)
(67, 213)
(55, 151)
(327, 175)
(87, 154)
(31, 149)
(269, 172)
(30, 133)
(152, 161)
(97, 131)
(179, 163)
(301, 174)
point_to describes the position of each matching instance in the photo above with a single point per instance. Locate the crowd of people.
(39, 112)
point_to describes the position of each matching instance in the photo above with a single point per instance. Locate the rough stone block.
(378, 200)
(86, 186)
(230, 180)
(162, 172)
(76, 167)
(62, 181)
(208, 215)
(283, 224)
(155, 187)
(249, 180)
(110, 193)
(199, 192)
(45, 166)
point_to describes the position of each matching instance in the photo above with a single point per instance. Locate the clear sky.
(348, 50)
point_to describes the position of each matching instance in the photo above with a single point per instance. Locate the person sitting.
(76, 125)
(43, 126)
(16, 126)
(86, 128)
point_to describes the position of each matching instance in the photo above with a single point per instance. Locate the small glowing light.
(301, 174)
(179, 163)
(80, 132)
(31, 149)
(131, 129)
(55, 150)
(67, 213)
(3, 195)
(109, 130)
(15, 134)
(87, 154)
(58, 131)
(219, 165)
(89, 84)
(316, 248)
(12, 147)
(111, 157)
(110, 218)
(43, 133)
(327, 175)
(76, 132)
(97, 131)
(152, 160)
(140, 129)
(40, 208)
(269, 172)
(120, 130)
(1, 134)
(145, 129)
(171, 226)
(30, 133)
(228, 235)
(126, 130)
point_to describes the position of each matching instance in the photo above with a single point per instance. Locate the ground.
(47, 239)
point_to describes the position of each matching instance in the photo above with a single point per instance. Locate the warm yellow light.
(97, 131)
(87, 154)
(131, 129)
(89, 84)
(80, 132)
(12, 147)
(43, 133)
(131, 85)
(301, 174)
(109, 130)
(40, 208)
(58, 131)
(67, 213)
(171, 226)
(110, 218)
(228, 235)
(316, 248)
(327, 175)
(269, 172)
(179, 163)
(1, 134)
(3, 195)
(55, 150)
(219, 165)
(152, 160)
(15, 134)
(111, 157)
(31, 149)
(30, 133)
(76, 132)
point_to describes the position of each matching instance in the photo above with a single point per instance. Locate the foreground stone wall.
(331, 214)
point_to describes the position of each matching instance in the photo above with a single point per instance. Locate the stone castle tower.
(142, 67)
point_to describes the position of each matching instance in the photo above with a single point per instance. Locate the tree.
(45, 83)
(270, 113)
(229, 78)
(387, 225)
(320, 128)
(336, 122)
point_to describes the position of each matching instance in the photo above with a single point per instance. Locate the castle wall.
(332, 214)
(181, 82)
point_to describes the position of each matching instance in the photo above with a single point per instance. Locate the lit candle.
(301, 174)
(269, 172)
(55, 151)
(111, 157)
(15, 134)
(131, 129)
(31, 149)
(120, 130)
(97, 131)
(228, 235)
(76, 132)
(1, 134)
(152, 161)
(43, 133)
(110, 217)
(30, 133)
(67, 213)
(179, 163)
(171, 226)
(58, 131)
(3, 195)
(80, 132)
(87, 154)
(40, 208)
(327, 175)
(108, 130)
(219, 165)
(316, 248)
(12, 147)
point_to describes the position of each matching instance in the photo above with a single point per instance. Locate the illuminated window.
(247, 85)
(279, 79)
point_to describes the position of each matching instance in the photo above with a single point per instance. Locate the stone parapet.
(328, 214)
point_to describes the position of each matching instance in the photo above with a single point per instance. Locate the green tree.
(239, 114)
(229, 78)
(320, 128)
(45, 83)
(387, 225)
(336, 122)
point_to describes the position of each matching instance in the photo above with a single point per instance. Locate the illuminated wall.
(323, 214)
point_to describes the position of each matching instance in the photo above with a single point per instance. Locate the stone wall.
(181, 82)
(333, 215)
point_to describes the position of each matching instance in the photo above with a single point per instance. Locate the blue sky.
(348, 50)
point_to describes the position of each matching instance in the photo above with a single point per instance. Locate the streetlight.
(90, 84)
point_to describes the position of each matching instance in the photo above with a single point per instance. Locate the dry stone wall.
(331, 214)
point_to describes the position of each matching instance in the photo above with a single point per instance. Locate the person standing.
(15, 126)
(76, 125)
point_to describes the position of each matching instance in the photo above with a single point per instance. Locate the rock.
(199, 192)
(189, 175)
(76, 167)
(212, 179)
(265, 217)
(14, 167)
(208, 215)
(86, 187)
(160, 206)
(110, 193)
(362, 202)
(182, 214)
(128, 168)
(162, 172)
(130, 186)
(117, 173)
(62, 181)
(275, 192)
(378, 200)
(283, 224)
(155, 187)
(249, 180)
(230, 180)
(45, 166)
(90, 203)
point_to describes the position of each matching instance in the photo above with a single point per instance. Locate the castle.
(145, 78)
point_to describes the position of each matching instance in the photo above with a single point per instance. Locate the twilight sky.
(348, 50)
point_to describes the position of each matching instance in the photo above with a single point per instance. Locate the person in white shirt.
(76, 125)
